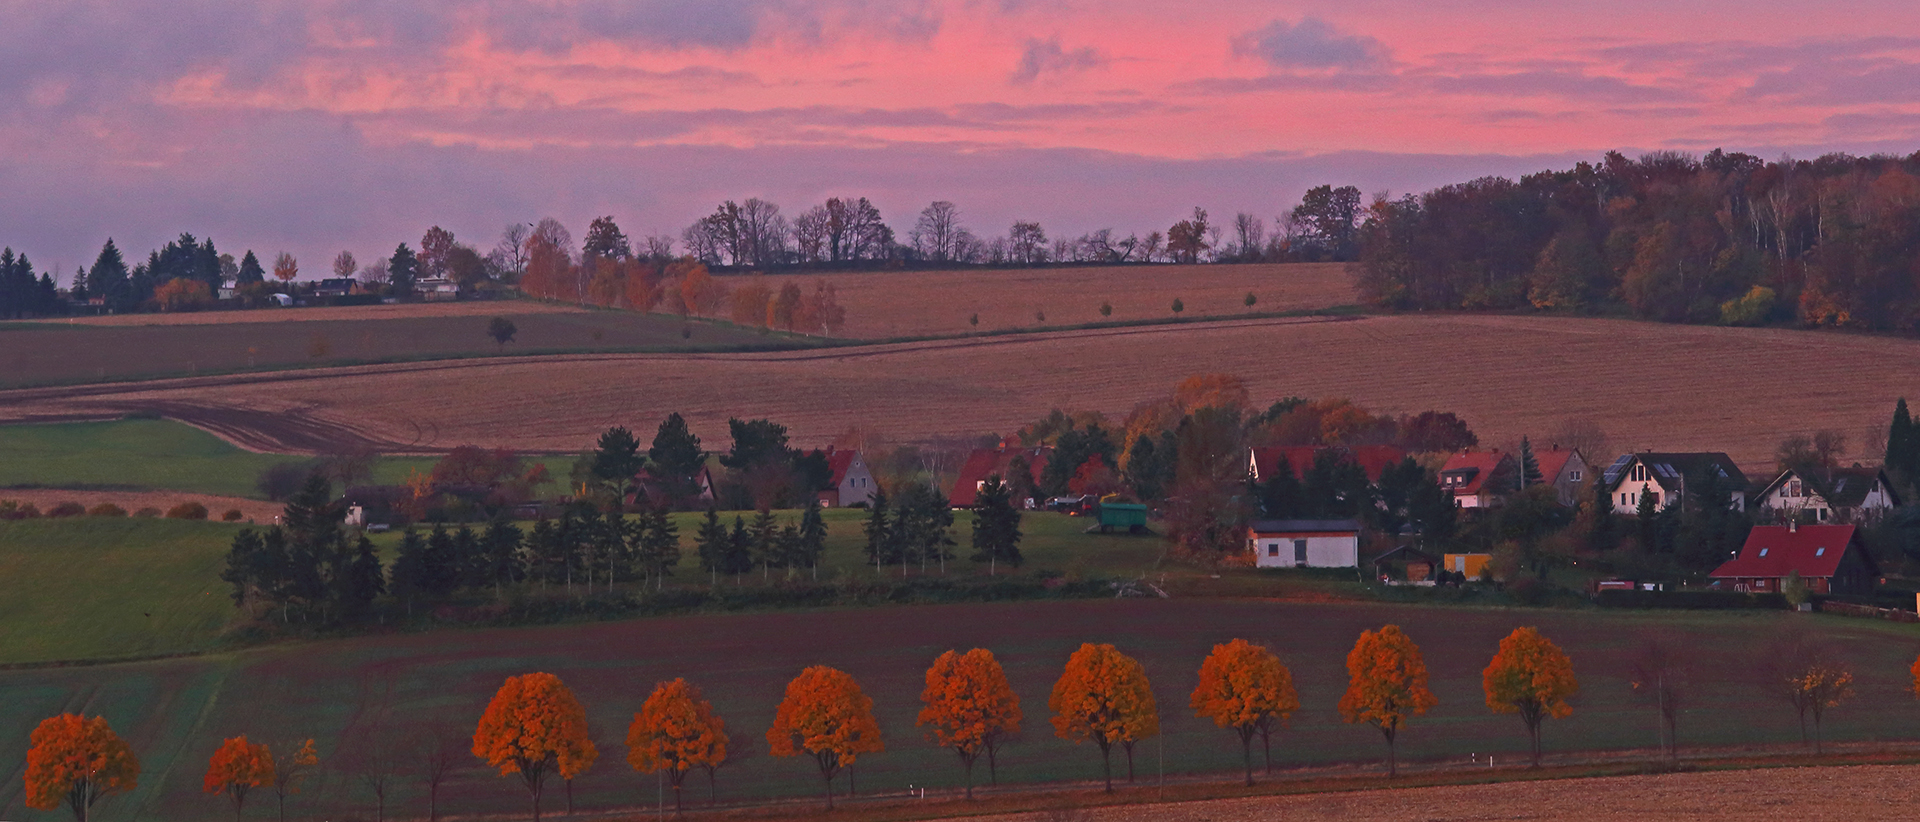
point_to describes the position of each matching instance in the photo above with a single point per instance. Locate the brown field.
(321, 313)
(1647, 385)
(882, 304)
(1841, 794)
(45, 498)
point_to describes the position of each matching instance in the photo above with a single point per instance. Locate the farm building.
(1304, 543)
(1840, 495)
(1829, 558)
(852, 482)
(1405, 564)
(1479, 479)
(1373, 459)
(988, 462)
(1665, 476)
(1564, 469)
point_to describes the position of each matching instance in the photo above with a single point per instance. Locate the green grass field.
(139, 454)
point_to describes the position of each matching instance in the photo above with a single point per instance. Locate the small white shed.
(1304, 543)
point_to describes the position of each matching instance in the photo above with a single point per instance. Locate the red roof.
(1475, 468)
(1553, 461)
(986, 462)
(1775, 550)
(1372, 459)
(839, 461)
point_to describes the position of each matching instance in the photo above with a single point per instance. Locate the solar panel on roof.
(1612, 473)
(1666, 470)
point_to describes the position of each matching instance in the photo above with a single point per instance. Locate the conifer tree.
(878, 530)
(659, 545)
(505, 562)
(739, 549)
(1903, 447)
(713, 545)
(996, 526)
(1529, 465)
(813, 537)
(766, 543)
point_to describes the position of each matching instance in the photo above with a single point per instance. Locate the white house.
(1842, 495)
(852, 482)
(1298, 543)
(1665, 477)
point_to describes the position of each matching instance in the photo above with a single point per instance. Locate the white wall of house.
(857, 485)
(1795, 495)
(1626, 498)
(1311, 550)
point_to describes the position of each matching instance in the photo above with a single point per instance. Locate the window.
(1822, 515)
(1575, 476)
(1819, 552)
(1273, 549)
(1763, 552)
(1793, 489)
(1300, 552)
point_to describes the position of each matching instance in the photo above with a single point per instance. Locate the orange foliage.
(825, 714)
(1532, 677)
(783, 311)
(77, 760)
(676, 731)
(1244, 687)
(820, 311)
(238, 767)
(1095, 477)
(698, 291)
(534, 726)
(970, 705)
(1211, 390)
(1103, 696)
(182, 294)
(1916, 677)
(749, 302)
(1387, 684)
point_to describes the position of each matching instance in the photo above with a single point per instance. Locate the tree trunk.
(1246, 753)
(569, 797)
(1129, 746)
(1266, 748)
(969, 779)
(1106, 765)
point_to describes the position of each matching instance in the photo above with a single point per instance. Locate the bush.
(66, 509)
(106, 509)
(1753, 309)
(10, 509)
(232, 515)
(148, 512)
(1689, 600)
(187, 510)
(281, 479)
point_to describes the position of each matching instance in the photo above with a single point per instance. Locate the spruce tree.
(617, 459)
(504, 560)
(365, 581)
(766, 542)
(878, 530)
(675, 459)
(813, 536)
(1529, 466)
(1903, 447)
(411, 569)
(739, 549)
(250, 271)
(712, 543)
(1649, 521)
(659, 545)
(996, 527)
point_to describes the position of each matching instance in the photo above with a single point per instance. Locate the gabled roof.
(986, 462)
(1777, 550)
(1674, 467)
(1474, 468)
(840, 461)
(1297, 526)
(1849, 487)
(1554, 460)
(1373, 459)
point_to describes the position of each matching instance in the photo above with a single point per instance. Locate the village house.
(1304, 543)
(1479, 479)
(852, 483)
(333, 287)
(1839, 495)
(990, 462)
(1664, 476)
(1830, 559)
(1564, 469)
(1262, 462)
(437, 289)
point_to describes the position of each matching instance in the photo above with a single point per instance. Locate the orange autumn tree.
(1386, 684)
(78, 761)
(1532, 677)
(287, 776)
(676, 731)
(1103, 696)
(534, 726)
(826, 715)
(970, 706)
(1244, 687)
(238, 767)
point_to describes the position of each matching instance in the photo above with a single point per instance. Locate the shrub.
(148, 512)
(1250, 300)
(1178, 306)
(66, 509)
(281, 479)
(232, 515)
(1755, 308)
(106, 509)
(187, 510)
(11, 509)
(1106, 309)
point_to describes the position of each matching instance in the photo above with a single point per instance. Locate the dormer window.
(1763, 552)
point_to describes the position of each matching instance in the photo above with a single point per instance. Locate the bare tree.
(658, 247)
(1027, 244)
(375, 769)
(344, 265)
(435, 749)
(374, 273)
(812, 233)
(763, 232)
(1584, 435)
(936, 235)
(510, 254)
(1249, 236)
(1660, 676)
(1807, 674)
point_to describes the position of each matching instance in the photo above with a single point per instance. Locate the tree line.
(535, 728)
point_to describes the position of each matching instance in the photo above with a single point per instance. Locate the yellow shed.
(1469, 564)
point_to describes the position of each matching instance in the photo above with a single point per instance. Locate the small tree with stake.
(1532, 677)
(1244, 687)
(827, 716)
(996, 527)
(1387, 685)
(501, 330)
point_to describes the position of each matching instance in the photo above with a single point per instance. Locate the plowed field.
(1648, 385)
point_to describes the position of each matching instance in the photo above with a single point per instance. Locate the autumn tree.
(78, 761)
(534, 726)
(1809, 676)
(344, 265)
(1244, 687)
(971, 707)
(237, 768)
(1386, 684)
(825, 715)
(1103, 696)
(287, 775)
(676, 731)
(285, 267)
(1532, 677)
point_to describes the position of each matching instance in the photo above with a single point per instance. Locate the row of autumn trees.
(1724, 238)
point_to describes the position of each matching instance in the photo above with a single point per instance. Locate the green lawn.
(96, 587)
(146, 454)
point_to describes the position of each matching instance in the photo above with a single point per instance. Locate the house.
(1262, 462)
(1468, 565)
(1665, 476)
(334, 287)
(646, 486)
(1854, 494)
(1564, 469)
(1829, 558)
(989, 462)
(1304, 543)
(436, 289)
(1479, 479)
(852, 483)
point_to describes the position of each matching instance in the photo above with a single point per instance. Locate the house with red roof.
(1830, 558)
(1264, 461)
(1480, 479)
(1564, 469)
(990, 462)
(852, 483)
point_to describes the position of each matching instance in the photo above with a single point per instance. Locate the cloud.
(1310, 44)
(1046, 56)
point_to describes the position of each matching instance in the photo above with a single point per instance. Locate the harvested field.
(354, 694)
(45, 498)
(1839, 794)
(1508, 376)
(882, 304)
(404, 311)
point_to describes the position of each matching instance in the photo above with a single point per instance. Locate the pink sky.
(356, 124)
